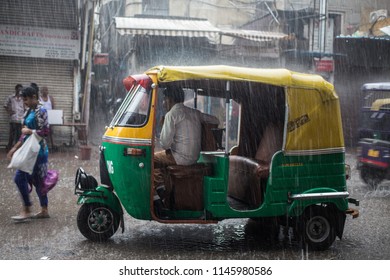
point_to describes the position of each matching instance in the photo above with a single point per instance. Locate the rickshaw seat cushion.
(185, 184)
(245, 180)
(184, 171)
(270, 143)
(208, 141)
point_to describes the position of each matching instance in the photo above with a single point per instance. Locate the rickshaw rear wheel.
(316, 228)
(372, 177)
(97, 222)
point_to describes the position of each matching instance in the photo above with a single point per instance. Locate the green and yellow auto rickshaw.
(301, 185)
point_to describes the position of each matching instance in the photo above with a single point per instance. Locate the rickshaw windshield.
(135, 109)
(375, 98)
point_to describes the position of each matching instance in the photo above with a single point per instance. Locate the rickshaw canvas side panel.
(313, 123)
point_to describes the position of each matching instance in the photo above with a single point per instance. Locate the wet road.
(58, 238)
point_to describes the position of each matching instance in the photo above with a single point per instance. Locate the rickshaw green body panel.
(303, 174)
(132, 186)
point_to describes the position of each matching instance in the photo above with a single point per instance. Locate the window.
(155, 7)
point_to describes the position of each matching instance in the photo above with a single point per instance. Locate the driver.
(180, 136)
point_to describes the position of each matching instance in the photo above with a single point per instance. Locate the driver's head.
(175, 93)
(172, 95)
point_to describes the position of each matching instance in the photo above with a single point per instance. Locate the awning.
(167, 27)
(188, 28)
(254, 35)
(365, 52)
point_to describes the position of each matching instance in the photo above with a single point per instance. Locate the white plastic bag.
(25, 157)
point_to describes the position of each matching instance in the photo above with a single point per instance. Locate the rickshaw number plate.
(373, 153)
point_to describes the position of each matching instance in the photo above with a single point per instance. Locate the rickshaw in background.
(303, 186)
(374, 134)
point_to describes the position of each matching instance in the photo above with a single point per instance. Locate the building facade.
(40, 42)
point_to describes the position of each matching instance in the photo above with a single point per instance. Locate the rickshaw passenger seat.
(270, 143)
(245, 185)
(248, 175)
(185, 186)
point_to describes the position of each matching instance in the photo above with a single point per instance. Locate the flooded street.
(366, 237)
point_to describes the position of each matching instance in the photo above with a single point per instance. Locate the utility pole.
(87, 82)
(322, 26)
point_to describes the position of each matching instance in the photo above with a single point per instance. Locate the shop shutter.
(57, 75)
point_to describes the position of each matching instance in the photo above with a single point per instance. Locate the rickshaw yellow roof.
(278, 77)
(377, 104)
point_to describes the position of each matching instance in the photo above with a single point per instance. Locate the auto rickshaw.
(303, 185)
(374, 134)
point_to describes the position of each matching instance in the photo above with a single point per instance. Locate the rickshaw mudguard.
(101, 195)
(297, 207)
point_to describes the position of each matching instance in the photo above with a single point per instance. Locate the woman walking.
(35, 121)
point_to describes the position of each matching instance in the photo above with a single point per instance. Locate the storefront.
(40, 42)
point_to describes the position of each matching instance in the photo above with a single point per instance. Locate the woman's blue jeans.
(22, 180)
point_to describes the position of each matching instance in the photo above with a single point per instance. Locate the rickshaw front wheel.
(97, 222)
(317, 229)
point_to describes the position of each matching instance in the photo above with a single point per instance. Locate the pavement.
(36, 239)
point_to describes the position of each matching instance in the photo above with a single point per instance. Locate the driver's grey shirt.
(181, 133)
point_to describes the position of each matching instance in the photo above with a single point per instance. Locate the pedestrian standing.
(15, 109)
(47, 102)
(34, 121)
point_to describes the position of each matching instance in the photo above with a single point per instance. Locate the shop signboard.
(27, 41)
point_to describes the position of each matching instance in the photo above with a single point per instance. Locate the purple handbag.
(50, 181)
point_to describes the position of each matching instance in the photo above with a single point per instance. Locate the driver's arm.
(167, 132)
